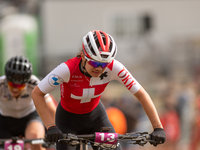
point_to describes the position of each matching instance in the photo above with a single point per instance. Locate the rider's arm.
(51, 105)
(42, 108)
(149, 107)
(51, 81)
(125, 77)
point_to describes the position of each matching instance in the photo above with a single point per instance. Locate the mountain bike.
(17, 143)
(106, 140)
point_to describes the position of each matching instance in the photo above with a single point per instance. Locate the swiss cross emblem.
(88, 94)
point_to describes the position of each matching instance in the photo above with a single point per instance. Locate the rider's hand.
(158, 135)
(54, 134)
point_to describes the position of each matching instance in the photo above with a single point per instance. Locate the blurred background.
(158, 42)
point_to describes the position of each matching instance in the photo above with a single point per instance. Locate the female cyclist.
(82, 81)
(18, 116)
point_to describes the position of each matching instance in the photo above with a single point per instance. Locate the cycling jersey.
(80, 94)
(17, 107)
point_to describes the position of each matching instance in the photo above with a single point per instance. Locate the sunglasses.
(96, 64)
(13, 85)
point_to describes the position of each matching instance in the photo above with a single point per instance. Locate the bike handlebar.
(107, 140)
(100, 139)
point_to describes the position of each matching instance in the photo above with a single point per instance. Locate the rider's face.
(16, 89)
(94, 72)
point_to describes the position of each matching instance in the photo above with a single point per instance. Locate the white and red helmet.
(99, 46)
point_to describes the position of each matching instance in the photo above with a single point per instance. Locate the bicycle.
(18, 143)
(105, 140)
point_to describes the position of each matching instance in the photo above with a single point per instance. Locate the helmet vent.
(111, 45)
(103, 37)
(20, 67)
(97, 41)
(104, 56)
(114, 52)
(14, 66)
(98, 45)
(104, 41)
(90, 46)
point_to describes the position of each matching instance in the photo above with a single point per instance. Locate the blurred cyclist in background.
(82, 81)
(18, 116)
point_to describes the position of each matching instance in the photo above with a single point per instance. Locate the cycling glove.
(54, 134)
(158, 135)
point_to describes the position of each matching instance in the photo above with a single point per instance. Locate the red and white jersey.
(79, 93)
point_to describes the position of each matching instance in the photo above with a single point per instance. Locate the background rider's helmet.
(99, 46)
(18, 70)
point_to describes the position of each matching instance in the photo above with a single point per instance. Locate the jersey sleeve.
(122, 75)
(56, 77)
(33, 81)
